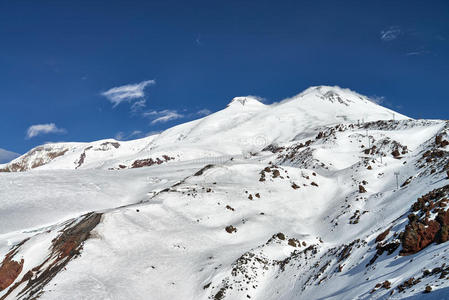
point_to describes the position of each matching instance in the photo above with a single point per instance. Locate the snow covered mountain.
(325, 195)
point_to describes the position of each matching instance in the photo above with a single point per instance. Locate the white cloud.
(417, 52)
(203, 112)
(121, 136)
(39, 129)
(163, 115)
(138, 105)
(390, 34)
(6, 156)
(127, 93)
(136, 132)
(377, 99)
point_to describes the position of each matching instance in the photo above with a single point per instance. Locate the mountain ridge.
(242, 115)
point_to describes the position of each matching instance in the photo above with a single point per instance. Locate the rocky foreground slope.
(322, 196)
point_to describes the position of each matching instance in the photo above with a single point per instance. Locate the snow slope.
(295, 200)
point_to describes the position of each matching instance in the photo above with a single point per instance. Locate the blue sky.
(174, 61)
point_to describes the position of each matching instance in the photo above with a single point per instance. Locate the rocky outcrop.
(66, 246)
(422, 230)
(417, 236)
(150, 162)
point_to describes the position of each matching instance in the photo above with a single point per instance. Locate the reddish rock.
(417, 236)
(276, 173)
(443, 219)
(9, 271)
(383, 235)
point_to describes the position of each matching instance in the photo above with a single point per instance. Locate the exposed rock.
(10, 269)
(362, 189)
(417, 236)
(396, 153)
(383, 235)
(116, 145)
(280, 236)
(230, 229)
(229, 207)
(64, 247)
(386, 284)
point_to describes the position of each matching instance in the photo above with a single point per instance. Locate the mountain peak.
(334, 94)
(246, 101)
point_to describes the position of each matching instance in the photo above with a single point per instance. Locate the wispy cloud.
(6, 156)
(138, 105)
(122, 136)
(203, 112)
(128, 93)
(162, 116)
(377, 99)
(390, 34)
(40, 129)
(119, 136)
(417, 52)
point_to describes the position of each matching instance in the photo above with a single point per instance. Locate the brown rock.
(396, 153)
(362, 189)
(383, 235)
(293, 242)
(9, 270)
(230, 229)
(280, 236)
(417, 236)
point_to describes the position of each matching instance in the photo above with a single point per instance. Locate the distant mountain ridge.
(245, 124)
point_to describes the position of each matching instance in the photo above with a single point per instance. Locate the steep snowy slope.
(338, 201)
